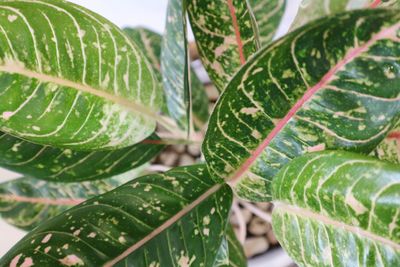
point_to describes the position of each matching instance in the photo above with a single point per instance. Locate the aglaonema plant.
(309, 121)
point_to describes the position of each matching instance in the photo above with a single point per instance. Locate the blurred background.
(149, 14)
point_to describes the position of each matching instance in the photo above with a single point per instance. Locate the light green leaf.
(150, 42)
(226, 36)
(70, 78)
(310, 10)
(66, 165)
(268, 14)
(171, 219)
(28, 202)
(175, 64)
(338, 209)
(332, 84)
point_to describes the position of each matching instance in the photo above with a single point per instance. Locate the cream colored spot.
(357, 206)
(28, 262)
(249, 111)
(72, 260)
(46, 238)
(206, 231)
(12, 18)
(7, 115)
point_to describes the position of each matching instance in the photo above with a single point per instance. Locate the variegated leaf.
(334, 83)
(150, 42)
(231, 253)
(310, 10)
(28, 202)
(171, 219)
(338, 209)
(175, 64)
(268, 14)
(70, 78)
(389, 148)
(226, 36)
(66, 165)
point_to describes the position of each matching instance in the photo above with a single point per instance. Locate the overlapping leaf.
(338, 209)
(268, 14)
(226, 36)
(70, 78)
(28, 202)
(231, 253)
(331, 84)
(175, 64)
(176, 218)
(66, 165)
(310, 10)
(150, 42)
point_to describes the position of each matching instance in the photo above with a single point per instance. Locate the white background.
(151, 14)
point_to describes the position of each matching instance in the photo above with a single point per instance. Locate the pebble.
(255, 245)
(258, 226)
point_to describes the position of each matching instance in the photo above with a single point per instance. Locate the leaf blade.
(272, 113)
(346, 201)
(65, 165)
(99, 100)
(179, 190)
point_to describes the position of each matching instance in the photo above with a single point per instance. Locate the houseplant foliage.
(309, 121)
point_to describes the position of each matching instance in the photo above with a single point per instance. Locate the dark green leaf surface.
(225, 33)
(338, 209)
(231, 251)
(70, 78)
(66, 165)
(333, 84)
(172, 219)
(268, 14)
(151, 43)
(175, 64)
(28, 202)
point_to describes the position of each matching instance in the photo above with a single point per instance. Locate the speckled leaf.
(66, 165)
(338, 209)
(70, 78)
(268, 14)
(150, 42)
(310, 10)
(27, 202)
(171, 219)
(226, 36)
(175, 64)
(389, 148)
(333, 84)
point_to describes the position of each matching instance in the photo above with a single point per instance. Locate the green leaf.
(331, 84)
(175, 64)
(231, 253)
(66, 165)
(338, 209)
(310, 10)
(171, 219)
(150, 42)
(27, 202)
(70, 78)
(389, 148)
(225, 34)
(268, 14)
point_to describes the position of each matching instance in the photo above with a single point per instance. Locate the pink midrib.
(47, 201)
(375, 3)
(237, 31)
(307, 96)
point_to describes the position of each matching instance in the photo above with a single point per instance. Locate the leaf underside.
(69, 78)
(324, 86)
(106, 229)
(175, 65)
(66, 165)
(338, 209)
